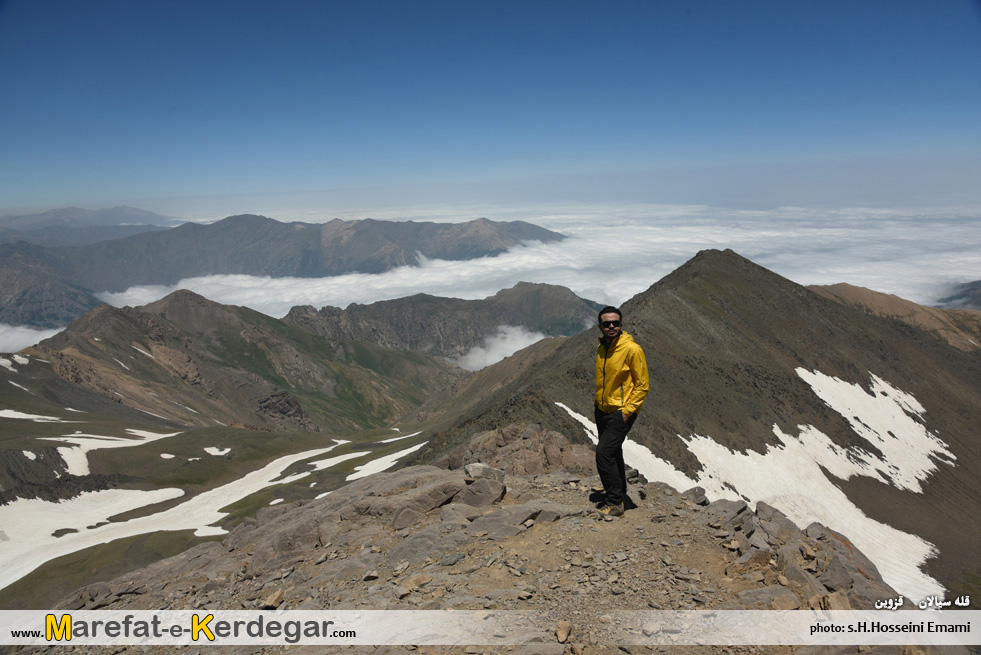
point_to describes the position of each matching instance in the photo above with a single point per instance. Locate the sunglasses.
(607, 324)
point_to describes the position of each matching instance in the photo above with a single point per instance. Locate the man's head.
(610, 323)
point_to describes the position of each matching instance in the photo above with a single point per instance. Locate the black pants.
(612, 431)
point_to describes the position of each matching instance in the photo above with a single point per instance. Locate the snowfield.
(30, 524)
(32, 542)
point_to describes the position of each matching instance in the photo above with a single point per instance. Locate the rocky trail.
(480, 536)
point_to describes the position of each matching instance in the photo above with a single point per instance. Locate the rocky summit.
(517, 531)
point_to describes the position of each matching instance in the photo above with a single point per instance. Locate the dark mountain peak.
(539, 292)
(723, 283)
(181, 297)
(240, 220)
(192, 311)
(719, 262)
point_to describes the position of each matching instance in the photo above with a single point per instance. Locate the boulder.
(481, 493)
(477, 470)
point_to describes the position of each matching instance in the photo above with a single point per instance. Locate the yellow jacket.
(621, 376)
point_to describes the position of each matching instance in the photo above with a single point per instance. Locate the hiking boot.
(611, 510)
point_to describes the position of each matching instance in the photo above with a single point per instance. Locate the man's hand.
(624, 417)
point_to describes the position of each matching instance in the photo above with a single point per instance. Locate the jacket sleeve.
(637, 364)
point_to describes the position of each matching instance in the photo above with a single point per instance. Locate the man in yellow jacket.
(621, 386)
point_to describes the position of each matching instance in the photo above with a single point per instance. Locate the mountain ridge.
(247, 245)
(450, 327)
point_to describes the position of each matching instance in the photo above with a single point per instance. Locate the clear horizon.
(204, 110)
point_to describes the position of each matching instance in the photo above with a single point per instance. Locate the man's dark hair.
(609, 310)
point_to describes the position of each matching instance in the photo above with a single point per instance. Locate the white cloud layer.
(18, 337)
(614, 252)
(508, 340)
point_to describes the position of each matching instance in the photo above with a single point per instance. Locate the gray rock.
(773, 597)
(481, 493)
(837, 576)
(787, 563)
(779, 529)
(406, 517)
(477, 470)
(496, 525)
(721, 513)
(435, 540)
(450, 560)
(456, 512)
(696, 496)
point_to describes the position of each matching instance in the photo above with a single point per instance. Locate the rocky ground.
(480, 537)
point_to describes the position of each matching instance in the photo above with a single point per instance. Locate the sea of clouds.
(615, 252)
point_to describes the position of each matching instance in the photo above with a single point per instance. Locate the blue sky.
(203, 109)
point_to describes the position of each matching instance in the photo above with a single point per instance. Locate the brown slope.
(961, 328)
(200, 363)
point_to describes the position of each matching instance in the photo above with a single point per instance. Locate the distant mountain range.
(965, 296)
(834, 409)
(74, 226)
(49, 286)
(76, 217)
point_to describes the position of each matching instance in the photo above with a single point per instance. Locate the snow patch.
(382, 463)
(889, 419)
(185, 407)
(29, 455)
(414, 434)
(34, 543)
(152, 414)
(217, 452)
(324, 464)
(140, 350)
(19, 386)
(13, 413)
(76, 456)
(167, 456)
